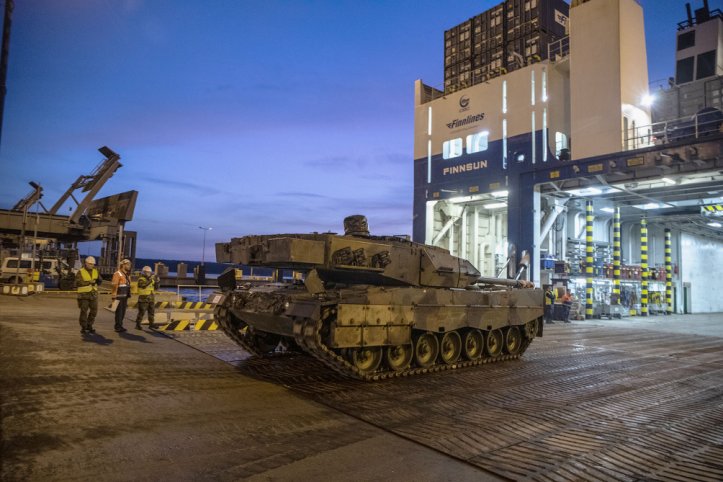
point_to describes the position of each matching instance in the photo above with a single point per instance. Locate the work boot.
(120, 330)
(138, 326)
(91, 330)
(82, 331)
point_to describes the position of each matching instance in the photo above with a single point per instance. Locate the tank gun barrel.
(513, 283)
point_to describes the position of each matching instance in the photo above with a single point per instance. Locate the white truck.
(54, 272)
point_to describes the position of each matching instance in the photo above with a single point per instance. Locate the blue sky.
(246, 116)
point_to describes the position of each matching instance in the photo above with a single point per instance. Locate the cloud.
(334, 162)
(303, 195)
(183, 185)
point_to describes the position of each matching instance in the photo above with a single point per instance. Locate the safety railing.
(692, 127)
(559, 49)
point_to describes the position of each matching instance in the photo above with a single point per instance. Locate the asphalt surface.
(636, 399)
(141, 406)
(631, 399)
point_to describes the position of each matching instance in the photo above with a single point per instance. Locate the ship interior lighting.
(592, 191)
(607, 210)
(715, 224)
(649, 206)
(667, 180)
(494, 205)
(586, 191)
(464, 199)
(500, 193)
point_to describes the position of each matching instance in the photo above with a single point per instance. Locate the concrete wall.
(702, 266)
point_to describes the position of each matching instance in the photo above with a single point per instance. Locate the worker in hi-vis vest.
(550, 297)
(87, 281)
(121, 291)
(147, 284)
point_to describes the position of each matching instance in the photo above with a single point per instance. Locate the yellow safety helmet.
(90, 260)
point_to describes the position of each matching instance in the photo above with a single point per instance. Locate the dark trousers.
(566, 312)
(88, 310)
(143, 308)
(120, 312)
(548, 313)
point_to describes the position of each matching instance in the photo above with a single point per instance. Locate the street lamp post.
(203, 253)
(200, 271)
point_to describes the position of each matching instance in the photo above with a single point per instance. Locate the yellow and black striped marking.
(616, 255)
(178, 305)
(589, 247)
(205, 325)
(668, 273)
(176, 325)
(713, 208)
(644, 267)
(190, 325)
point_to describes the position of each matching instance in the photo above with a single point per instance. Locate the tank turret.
(354, 258)
(374, 306)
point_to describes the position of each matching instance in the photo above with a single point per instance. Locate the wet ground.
(631, 399)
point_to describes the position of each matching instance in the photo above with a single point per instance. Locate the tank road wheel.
(367, 359)
(426, 349)
(399, 357)
(493, 343)
(513, 340)
(473, 345)
(450, 347)
(531, 329)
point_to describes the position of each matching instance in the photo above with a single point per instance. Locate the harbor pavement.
(141, 406)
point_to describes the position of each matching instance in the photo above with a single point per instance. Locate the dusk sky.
(245, 116)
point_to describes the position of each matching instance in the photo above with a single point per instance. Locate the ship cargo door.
(471, 227)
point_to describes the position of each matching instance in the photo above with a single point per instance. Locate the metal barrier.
(200, 290)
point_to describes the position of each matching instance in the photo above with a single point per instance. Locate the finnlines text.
(467, 120)
(469, 166)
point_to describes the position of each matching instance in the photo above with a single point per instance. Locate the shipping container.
(506, 37)
(552, 15)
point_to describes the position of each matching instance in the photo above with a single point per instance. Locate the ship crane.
(33, 197)
(89, 184)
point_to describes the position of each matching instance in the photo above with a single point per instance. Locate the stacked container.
(506, 37)
(457, 55)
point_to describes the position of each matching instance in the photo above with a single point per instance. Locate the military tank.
(374, 307)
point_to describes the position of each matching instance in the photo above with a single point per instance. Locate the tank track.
(224, 318)
(307, 334)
